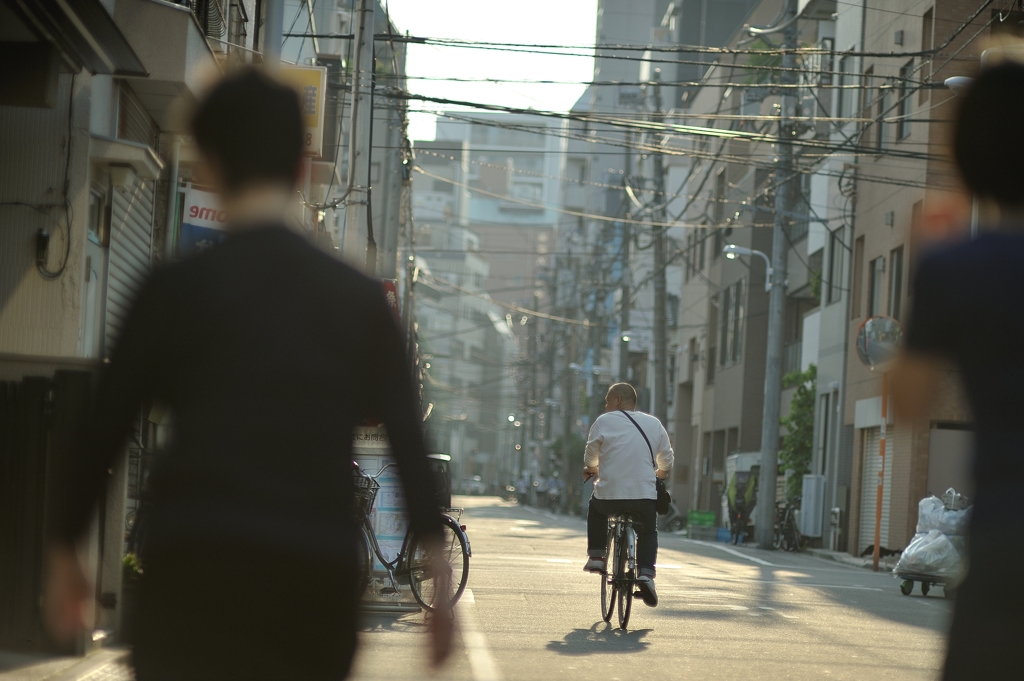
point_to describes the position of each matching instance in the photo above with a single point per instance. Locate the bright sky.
(562, 22)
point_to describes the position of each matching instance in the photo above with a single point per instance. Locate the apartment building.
(903, 171)
(468, 345)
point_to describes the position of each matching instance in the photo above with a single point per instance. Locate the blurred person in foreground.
(627, 450)
(968, 312)
(268, 352)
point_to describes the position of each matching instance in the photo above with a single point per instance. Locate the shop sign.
(311, 84)
(203, 222)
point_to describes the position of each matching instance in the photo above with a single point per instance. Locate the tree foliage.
(797, 445)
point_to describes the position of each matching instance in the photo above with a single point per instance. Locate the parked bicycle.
(787, 534)
(414, 564)
(674, 520)
(618, 586)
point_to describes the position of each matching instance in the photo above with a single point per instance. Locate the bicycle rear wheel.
(454, 559)
(624, 581)
(608, 580)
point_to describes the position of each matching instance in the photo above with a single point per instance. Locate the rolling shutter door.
(869, 490)
(131, 243)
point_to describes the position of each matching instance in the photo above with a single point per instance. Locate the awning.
(84, 33)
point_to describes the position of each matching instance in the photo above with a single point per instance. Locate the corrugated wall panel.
(131, 241)
(869, 489)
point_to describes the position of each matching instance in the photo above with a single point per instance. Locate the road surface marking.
(558, 560)
(531, 509)
(550, 515)
(733, 552)
(481, 661)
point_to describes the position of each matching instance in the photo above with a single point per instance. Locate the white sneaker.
(594, 565)
(645, 588)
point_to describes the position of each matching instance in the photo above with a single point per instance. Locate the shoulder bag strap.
(649, 447)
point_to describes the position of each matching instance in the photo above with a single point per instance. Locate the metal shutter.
(131, 245)
(869, 489)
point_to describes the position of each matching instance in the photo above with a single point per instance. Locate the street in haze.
(530, 612)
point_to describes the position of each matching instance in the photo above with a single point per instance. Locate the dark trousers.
(255, 614)
(647, 531)
(987, 630)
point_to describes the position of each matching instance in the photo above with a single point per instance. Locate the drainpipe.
(171, 229)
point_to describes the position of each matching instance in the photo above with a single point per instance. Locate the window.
(858, 283)
(903, 103)
(882, 103)
(847, 102)
(870, 129)
(718, 210)
(688, 263)
(700, 251)
(730, 323)
(876, 274)
(896, 282)
(833, 284)
(926, 45)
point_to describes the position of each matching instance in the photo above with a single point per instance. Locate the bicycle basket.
(365, 493)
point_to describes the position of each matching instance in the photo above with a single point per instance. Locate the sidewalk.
(105, 664)
(884, 565)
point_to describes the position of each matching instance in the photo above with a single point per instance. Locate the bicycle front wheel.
(454, 560)
(625, 583)
(608, 580)
(364, 562)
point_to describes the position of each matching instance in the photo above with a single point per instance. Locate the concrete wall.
(40, 316)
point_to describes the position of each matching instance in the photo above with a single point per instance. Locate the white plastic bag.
(932, 514)
(933, 554)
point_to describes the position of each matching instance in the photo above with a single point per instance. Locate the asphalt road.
(530, 612)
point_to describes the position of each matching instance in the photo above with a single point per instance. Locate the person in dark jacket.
(968, 314)
(268, 352)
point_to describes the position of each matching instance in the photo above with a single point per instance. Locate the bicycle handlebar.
(377, 474)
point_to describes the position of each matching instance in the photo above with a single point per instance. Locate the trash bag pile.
(939, 549)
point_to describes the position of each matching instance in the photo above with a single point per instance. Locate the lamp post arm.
(769, 272)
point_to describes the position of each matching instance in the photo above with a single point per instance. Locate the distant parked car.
(474, 485)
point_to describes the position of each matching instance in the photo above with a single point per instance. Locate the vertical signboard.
(371, 450)
(202, 222)
(311, 84)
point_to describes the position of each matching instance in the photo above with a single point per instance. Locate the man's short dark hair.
(251, 127)
(988, 139)
(625, 391)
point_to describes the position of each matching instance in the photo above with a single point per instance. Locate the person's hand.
(66, 595)
(662, 475)
(440, 622)
(589, 472)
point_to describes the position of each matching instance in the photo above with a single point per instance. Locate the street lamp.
(959, 84)
(732, 251)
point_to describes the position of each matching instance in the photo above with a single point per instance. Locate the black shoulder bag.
(664, 498)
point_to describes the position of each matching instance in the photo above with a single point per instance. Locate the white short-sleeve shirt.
(618, 449)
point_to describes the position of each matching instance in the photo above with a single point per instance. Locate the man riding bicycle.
(626, 450)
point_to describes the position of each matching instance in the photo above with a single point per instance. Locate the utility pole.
(660, 299)
(360, 128)
(777, 302)
(627, 239)
(272, 36)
